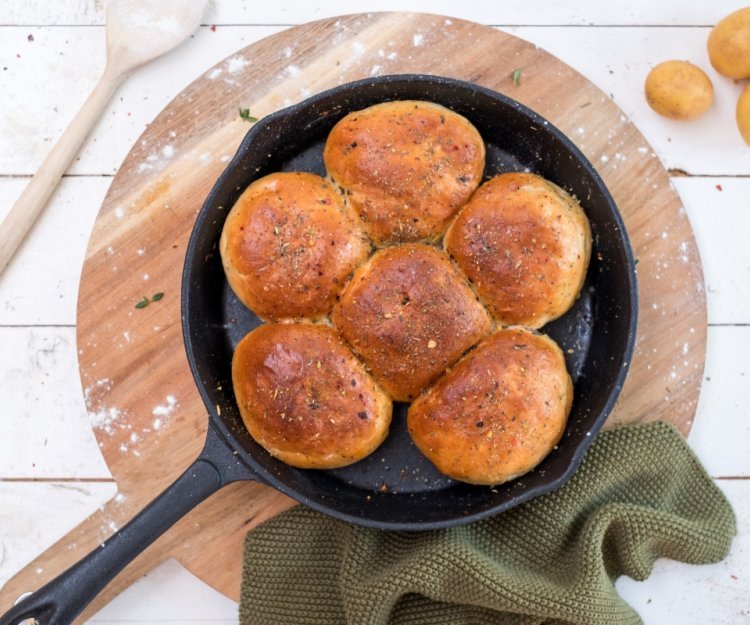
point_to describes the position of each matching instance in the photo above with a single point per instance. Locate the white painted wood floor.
(50, 56)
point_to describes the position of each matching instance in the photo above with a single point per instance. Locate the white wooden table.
(51, 472)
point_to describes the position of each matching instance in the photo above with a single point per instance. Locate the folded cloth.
(640, 494)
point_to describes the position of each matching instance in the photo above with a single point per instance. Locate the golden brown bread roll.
(288, 246)
(525, 245)
(498, 412)
(306, 398)
(407, 167)
(409, 314)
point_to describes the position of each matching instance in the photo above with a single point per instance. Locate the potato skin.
(678, 90)
(729, 45)
(743, 114)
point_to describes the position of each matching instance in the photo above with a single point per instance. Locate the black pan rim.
(630, 301)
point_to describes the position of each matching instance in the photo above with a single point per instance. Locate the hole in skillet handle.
(597, 334)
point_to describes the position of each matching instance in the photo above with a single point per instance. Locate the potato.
(678, 90)
(729, 45)
(743, 113)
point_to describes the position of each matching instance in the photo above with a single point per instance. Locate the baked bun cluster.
(407, 167)
(306, 398)
(288, 246)
(400, 278)
(409, 314)
(525, 245)
(498, 412)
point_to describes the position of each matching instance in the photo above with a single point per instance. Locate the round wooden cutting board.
(147, 414)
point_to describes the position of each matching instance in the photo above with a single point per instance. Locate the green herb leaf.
(146, 301)
(516, 77)
(245, 114)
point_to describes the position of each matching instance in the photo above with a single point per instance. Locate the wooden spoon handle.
(29, 205)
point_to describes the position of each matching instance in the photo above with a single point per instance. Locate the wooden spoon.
(137, 32)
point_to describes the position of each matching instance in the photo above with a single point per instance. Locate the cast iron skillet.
(597, 336)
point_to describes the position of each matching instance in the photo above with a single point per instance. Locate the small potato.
(743, 113)
(729, 45)
(679, 90)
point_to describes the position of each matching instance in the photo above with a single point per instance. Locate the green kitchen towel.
(640, 494)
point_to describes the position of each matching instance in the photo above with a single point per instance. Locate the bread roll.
(498, 412)
(288, 246)
(306, 398)
(409, 314)
(525, 245)
(407, 167)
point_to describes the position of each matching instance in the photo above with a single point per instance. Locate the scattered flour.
(163, 411)
(101, 417)
(417, 39)
(684, 252)
(236, 64)
(166, 409)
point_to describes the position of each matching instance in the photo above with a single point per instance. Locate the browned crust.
(407, 167)
(409, 314)
(306, 398)
(525, 245)
(498, 412)
(288, 246)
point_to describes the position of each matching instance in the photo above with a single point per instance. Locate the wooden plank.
(718, 210)
(721, 431)
(28, 524)
(37, 106)
(538, 12)
(170, 595)
(712, 594)
(710, 145)
(190, 601)
(53, 253)
(46, 431)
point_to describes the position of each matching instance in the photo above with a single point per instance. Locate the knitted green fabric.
(640, 494)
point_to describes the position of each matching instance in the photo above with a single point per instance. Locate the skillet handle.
(62, 599)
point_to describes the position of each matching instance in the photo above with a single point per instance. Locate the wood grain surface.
(149, 419)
